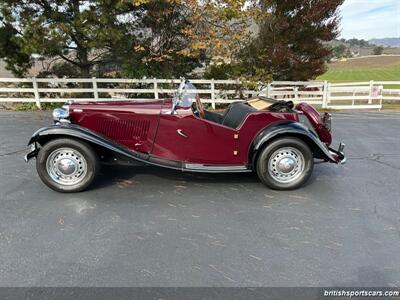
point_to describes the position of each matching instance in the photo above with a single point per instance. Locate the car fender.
(46, 134)
(43, 135)
(291, 129)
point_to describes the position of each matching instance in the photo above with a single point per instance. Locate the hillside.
(364, 69)
(359, 48)
(386, 42)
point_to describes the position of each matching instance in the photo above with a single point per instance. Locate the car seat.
(236, 113)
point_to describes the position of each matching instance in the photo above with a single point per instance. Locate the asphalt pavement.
(146, 226)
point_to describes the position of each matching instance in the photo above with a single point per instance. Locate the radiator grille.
(124, 129)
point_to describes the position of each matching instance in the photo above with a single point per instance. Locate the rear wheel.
(285, 164)
(67, 165)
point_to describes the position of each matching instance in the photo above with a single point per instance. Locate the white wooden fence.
(354, 95)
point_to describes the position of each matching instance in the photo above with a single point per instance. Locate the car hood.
(148, 105)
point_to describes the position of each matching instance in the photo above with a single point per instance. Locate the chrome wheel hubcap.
(66, 166)
(286, 164)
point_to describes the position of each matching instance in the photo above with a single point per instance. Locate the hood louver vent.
(125, 129)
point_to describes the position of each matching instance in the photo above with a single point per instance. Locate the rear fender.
(292, 129)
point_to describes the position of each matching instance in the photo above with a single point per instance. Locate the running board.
(215, 169)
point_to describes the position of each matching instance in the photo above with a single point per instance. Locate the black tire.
(84, 149)
(265, 165)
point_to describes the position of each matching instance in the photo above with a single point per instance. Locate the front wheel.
(285, 164)
(67, 165)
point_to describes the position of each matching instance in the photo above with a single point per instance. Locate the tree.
(162, 47)
(81, 33)
(10, 48)
(292, 39)
(183, 35)
(357, 42)
(133, 37)
(339, 51)
(348, 53)
(220, 27)
(378, 50)
(85, 38)
(169, 38)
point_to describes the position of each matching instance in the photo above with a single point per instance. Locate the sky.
(367, 19)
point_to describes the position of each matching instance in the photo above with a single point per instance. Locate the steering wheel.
(200, 108)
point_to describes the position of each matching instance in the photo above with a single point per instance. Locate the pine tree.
(292, 39)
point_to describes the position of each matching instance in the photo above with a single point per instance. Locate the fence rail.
(350, 95)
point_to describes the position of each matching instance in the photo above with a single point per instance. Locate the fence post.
(36, 92)
(269, 90)
(63, 85)
(325, 95)
(155, 86)
(95, 92)
(213, 93)
(371, 87)
(380, 96)
(328, 93)
(296, 93)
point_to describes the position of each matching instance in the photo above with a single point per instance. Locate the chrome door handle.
(180, 132)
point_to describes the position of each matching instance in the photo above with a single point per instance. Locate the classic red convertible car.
(273, 138)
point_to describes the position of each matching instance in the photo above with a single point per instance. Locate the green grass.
(32, 106)
(364, 69)
(362, 74)
(391, 106)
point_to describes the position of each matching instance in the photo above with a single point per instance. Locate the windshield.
(186, 94)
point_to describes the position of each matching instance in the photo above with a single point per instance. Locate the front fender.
(45, 134)
(301, 131)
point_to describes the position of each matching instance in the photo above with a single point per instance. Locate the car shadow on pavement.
(110, 175)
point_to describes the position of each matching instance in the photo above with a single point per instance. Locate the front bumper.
(338, 155)
(33, 152)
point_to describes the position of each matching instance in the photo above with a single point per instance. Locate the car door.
(185, 137)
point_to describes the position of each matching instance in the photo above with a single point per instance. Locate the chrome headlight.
(60, 114)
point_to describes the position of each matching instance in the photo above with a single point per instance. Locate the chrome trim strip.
(203, 167)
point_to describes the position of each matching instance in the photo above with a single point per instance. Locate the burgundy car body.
(149, 130)
(174, 133)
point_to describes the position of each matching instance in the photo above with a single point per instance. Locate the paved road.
(154, 227)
